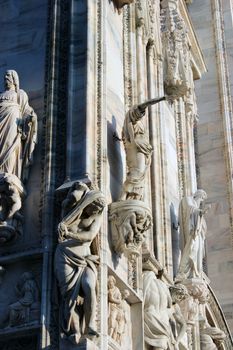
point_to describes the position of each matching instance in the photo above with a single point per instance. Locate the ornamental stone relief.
(119, 4)
(175, 50)
(118, 312)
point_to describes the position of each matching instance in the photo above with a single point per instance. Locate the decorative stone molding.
(130, 221)
(12, 194)
(118, 311)
(2, 273)
(26, 309)
(119, 4)
(175, 50)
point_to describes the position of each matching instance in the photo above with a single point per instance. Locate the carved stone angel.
(75, 265)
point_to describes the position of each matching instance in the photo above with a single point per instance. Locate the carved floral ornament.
(175, 50)
(119, 4)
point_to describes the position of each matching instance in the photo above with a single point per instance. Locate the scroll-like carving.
(18, 132)
(75, 265)
(193, 231)
(26, 309)
(119, 4)
(130, 217)
(118, 311)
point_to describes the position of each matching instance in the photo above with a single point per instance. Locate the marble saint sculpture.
(130, 216)
(18, 134)
(193, 232)
(138, 150)
(75, 265)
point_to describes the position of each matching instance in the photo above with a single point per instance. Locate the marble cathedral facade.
(116, 175)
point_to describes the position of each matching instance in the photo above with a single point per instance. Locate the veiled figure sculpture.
(193, 232)
(75, 265)
(18, 134)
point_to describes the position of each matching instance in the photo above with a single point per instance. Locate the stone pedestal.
(84, 344)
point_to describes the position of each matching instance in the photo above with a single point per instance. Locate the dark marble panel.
(23, 37)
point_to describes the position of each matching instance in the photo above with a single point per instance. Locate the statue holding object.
(138, 150)
(130, 216)
(193, 229)
(18, 134)
(75, 265)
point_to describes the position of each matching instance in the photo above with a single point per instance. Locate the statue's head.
(136, 114)
(26, 276)
(125, 294)
(111, 282)
(200, 194)
(178, 292)
(96, 207)
(11, 79)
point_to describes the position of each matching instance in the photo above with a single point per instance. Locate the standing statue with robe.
(138, 150)
(193, 232)
(18, 134)
(18, 128)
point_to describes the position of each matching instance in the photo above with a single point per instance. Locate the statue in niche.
(26, 309)
(138, 151)
(75, 265)
(123, 317)
(119, 4)
(114, 300)
(118, 311)
(157, 313)
(18, 133)
(193, 231)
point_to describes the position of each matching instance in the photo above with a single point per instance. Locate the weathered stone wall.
(213, 25)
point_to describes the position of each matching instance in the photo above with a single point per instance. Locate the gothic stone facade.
(120, 111)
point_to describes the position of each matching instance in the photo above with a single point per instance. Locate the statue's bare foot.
(92, 332)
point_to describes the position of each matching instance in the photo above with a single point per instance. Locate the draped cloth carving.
(75, 265)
